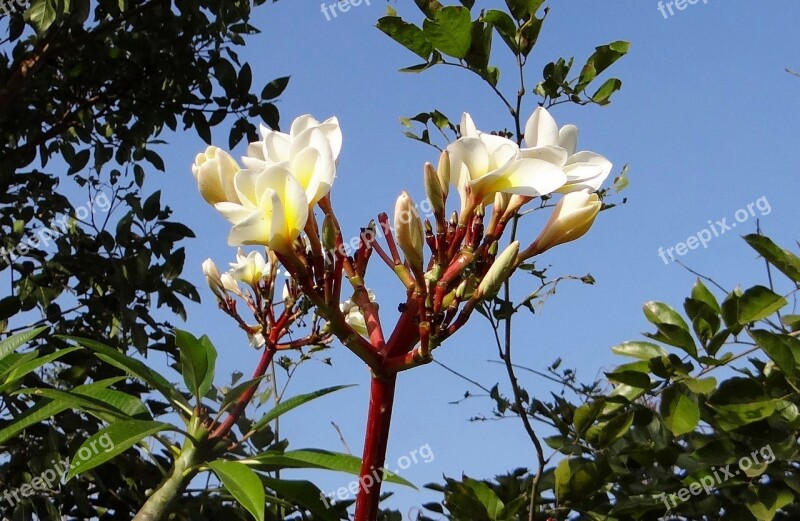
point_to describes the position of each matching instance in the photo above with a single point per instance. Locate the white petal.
(257, 228)
(276, 146)
(234, 213)
(586, 171)
(531, 178)
(551, 154)
(302, 123)
(470, 152)
(568, 138)
(541, 129)
(468, 128)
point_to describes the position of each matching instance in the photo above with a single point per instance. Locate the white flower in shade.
(257, 340)
(584, 170)
(353, 315)
(310, 152)
(250, 269)
(214, 170)
(273, 209)
(483, 164)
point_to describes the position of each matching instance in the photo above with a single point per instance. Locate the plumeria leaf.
(113, 440)
(243, 484)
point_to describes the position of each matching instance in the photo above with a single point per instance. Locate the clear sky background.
(707, 119)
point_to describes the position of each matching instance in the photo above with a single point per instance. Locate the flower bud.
(571, 219)
(213, 279)
(328, 234)
(408, 229)
(433, 189)
(499, 271)
(214, 170)
(443, 171)
(230, 284)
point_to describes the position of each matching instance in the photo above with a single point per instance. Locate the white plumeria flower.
(273, 209)
(485, 164)
(353, 315)
(310, 151)
(584, 170)
(250, 269)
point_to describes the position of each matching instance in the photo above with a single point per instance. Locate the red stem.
(381, 399)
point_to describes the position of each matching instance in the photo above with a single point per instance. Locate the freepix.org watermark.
(45, 481)
(329, 10)
(718, 476)
(680, 5)
(13, 6)
(715, 229)
(44, 234)
(424, 454)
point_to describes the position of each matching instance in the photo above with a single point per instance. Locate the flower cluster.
(271, 201)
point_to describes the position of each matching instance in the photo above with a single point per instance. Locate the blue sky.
(707, 120)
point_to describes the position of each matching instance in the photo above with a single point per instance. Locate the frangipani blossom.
(214, 170)
(250, 269)
(273, 209)
(584, 170)
(484, 164)
(310, 151)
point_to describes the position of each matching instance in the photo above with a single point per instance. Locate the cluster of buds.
(286, 178)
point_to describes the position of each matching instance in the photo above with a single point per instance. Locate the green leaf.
(732, 416)
(320, 459)
(303, 493)
(703, 294)
(702, 385)
(408, 35)
(275, 88)
(198, 358)
(607, 89)
(243, 484)
(680, 410)
(765, 501)
(42, 13)
(114, 439)
(487, 497)
(294, 402)
(77, 400)
(602, 58)
(450, 32)
(586, 414)
(782, 349)
(505, 27)
(754, 304)
(234, 394)
(523, 9)
(671, 327)
(14, 342)
(785, 261)
(135, 368)
(640, 350)
(40, 412)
